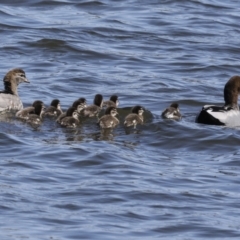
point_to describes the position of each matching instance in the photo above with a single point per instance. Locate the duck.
(172, 112)
(112, 102)
(24, 113)
(83, 100)
(54, 110)
(36, 117)
(228, 114)
(135, 117)
(71, 120)
(93, 110)
(109, 120)
(9, 99)
(79, 105)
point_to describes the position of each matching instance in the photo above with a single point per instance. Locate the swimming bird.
(54, 109)
(24, 113)
(172, 112)
(93, 110)
(229, 113)
(112, 102)
(36, 117)
(79, 105)
(9, 99)
(109, 120)
(83, 100)
(71, 119)
(134, 118)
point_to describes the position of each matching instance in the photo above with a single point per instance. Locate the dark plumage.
(228, 114)
(112, 102)
(36, 117)
(79, 105)
(134, 118)
(24, 113)
(71, 119)
(83, 100)
(93, 110)
(109, 120)
(172, 112)
(54, 110)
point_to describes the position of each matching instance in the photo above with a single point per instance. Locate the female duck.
(112, 102)
(109, 120)
(9, 99)
(134, 118)
(172, 112)
(71, 119)
(93, 110)
(54, 110)
(224, 115)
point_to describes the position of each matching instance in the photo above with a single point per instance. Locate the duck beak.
(26, 80)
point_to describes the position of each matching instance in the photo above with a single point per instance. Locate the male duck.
(228, 114)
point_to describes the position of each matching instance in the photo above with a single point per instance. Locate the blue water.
(164, 180)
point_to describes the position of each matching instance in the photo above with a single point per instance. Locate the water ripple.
(165, 179)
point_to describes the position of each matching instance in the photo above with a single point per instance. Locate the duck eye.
(22, 75)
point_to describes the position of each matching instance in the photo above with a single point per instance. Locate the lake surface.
(166, 179)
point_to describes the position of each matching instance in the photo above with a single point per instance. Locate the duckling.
(36, 117)
(79, 105)
(134, 118)
(54, 109)
(109, 120)
(83, 100)
(71, 119)
(9, 99)
(24, 113)
(172, 112)
(112, 102)
(93, 110)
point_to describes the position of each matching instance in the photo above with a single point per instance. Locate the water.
(165, 180)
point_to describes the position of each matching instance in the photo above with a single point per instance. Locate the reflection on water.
(164, 179)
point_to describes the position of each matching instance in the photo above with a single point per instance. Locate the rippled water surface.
(164, 180)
